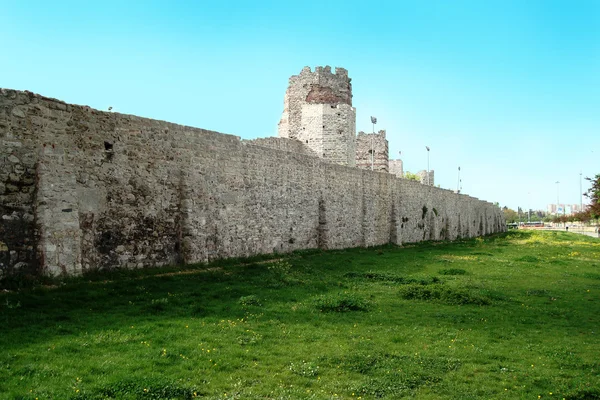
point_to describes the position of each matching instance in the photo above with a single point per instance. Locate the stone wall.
(18, 163)
(366, 143)
(82, 189)
(284, 144)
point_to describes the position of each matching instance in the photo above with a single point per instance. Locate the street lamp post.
(458, 182)
(428, 180)
(580, 194)
(557, 200)
(373, 121)
(580, 200)
(528, 207)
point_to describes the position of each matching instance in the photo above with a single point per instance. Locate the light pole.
(557, 201)
(458, 182)
(580, 194)
(373, 121)
(580, 201)
(428, 181)
(528, 207)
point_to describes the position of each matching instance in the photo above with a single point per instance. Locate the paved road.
(575, 230)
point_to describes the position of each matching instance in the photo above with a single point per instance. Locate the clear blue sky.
(507, 90)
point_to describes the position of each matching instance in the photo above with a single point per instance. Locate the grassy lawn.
(512, 316)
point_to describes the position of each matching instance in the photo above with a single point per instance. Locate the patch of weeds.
(11, 305)
(424, 212)
(538, 292)
(249, 337)
(395, 376)
(591, 275)
(341, 302)
(395, 385)
(528, 258)
(282, 274)
(280, 267)
(305, 369)
(452, 271)
(158, 304)
(358, 362)
(387, 277)
(443, 294)
(586, 394)
(146, 388)
(251, 300)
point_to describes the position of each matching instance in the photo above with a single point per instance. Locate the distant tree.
(534, 217)
(510, 215)
(548, 218)
(541, 214)
(411, 177)
(583, 216)
(594, 195)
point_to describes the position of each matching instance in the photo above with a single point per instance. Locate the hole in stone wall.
(108, 147)
(307, 141)
(340, 131)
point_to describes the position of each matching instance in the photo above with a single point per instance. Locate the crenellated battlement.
(381, 133)
(326, 70)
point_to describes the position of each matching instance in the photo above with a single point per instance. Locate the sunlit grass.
(508, 316)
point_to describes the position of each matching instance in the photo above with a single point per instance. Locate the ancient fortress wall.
(82, 189)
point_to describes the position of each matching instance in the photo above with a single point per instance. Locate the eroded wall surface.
(82, 189)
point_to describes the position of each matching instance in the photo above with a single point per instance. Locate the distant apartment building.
(566, 209)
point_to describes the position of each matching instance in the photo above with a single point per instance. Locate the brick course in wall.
(83, 190)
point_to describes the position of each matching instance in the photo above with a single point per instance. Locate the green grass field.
(511, 316)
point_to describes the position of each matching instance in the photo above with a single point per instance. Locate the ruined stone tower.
(318, 111)
(367, 143)
(397, 168)
(425, 180)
